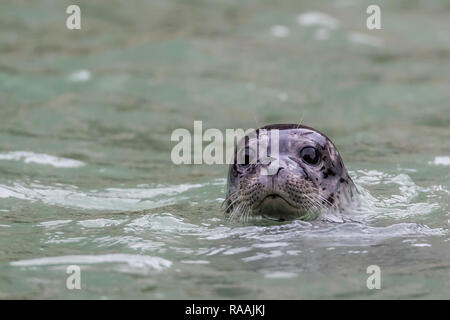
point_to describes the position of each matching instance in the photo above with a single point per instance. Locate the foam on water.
(115, 199)
(135, 261)
(399, 204)
(206, 240)
(41, 158)
(314, 18)
(151, 232)
(441, 161)
(80, 76)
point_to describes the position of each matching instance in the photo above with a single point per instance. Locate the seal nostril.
(279, 169)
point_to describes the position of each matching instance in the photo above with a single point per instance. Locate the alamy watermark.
(374, 280)
(374, 20)
(73, 21)
(73, 281)
(252, 147)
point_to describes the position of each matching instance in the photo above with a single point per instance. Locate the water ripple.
(41, 158)
(136, 261)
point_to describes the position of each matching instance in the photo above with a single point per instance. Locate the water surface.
(85, 171)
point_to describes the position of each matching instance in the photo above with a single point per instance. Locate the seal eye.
(310, 155)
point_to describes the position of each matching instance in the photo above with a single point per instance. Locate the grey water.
(85, 172)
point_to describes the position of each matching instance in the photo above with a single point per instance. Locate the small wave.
(314, 18)
(281, 275)
(345, 234)
(54, 223)
(195, 261)
(400, 200)
(164, 223)
(133, 260)
(100, 223)
(441, 161)
(41, 158)
(115, 199)
(80, 76)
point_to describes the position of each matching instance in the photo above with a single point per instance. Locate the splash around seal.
(310, 178)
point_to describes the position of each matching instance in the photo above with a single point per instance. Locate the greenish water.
(85, 123)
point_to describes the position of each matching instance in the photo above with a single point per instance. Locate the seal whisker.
(247, 214)
(237, 210)
(232, 198)
(330, 205)
(232, 202)
(315, 203)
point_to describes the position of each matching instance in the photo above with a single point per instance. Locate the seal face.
(310, 178)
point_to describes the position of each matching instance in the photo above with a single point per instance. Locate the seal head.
(310, 177)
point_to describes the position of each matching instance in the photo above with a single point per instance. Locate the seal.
(310, 178)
